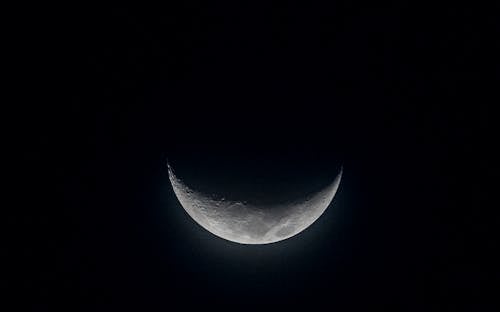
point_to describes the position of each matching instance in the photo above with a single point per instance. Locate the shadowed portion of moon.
(246, 223)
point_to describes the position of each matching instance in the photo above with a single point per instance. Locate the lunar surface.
(245, 223)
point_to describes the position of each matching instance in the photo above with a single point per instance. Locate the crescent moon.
(244, 223)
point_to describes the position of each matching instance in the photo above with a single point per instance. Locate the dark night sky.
(397, 93)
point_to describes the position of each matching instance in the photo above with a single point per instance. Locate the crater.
(285, 231)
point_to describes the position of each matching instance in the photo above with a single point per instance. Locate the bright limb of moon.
(243, 223)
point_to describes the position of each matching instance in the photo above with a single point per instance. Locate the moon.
(244, 223)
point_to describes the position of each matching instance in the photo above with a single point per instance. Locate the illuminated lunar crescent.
(243, 223)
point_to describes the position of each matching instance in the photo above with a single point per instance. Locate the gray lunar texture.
(243, 223)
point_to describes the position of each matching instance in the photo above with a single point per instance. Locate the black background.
(399, 94)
